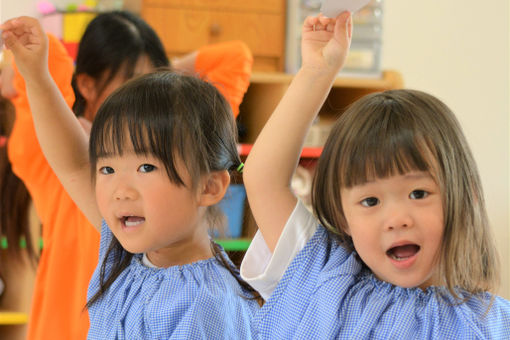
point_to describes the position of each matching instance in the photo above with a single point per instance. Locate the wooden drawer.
(185, 30)
(271, 6)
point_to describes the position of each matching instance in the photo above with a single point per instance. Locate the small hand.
(26, 39)
(325, 41)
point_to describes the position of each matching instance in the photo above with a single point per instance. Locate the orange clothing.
(71, 243)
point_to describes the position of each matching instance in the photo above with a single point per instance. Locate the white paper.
(331, 8)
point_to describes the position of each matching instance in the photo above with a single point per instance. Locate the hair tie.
(240, 168)
(3, 141)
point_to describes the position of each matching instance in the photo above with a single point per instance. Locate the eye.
(370, 202)
(418, 194)
(106, 170)
(146, 168)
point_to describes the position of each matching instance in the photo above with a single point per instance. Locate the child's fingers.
(9, 40)
(319, 23)
(22, 25)
(311, 24)
(343, 27)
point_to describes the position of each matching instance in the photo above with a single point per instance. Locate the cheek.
(101, 198)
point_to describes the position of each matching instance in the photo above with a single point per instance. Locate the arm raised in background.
(275, 155)
(62, 139)
(226, 65)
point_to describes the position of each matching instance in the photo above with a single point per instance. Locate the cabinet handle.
(215, 29)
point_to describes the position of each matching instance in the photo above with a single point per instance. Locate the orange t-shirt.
(71, 243)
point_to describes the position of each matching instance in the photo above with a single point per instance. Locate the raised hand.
(325, 42)
(26, 39)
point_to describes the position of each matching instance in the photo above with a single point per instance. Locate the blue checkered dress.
(196, 301)
(326, 293)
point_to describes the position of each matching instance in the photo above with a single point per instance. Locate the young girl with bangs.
(161, 150)
(399, 245)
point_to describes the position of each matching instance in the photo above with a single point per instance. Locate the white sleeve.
(262, 269)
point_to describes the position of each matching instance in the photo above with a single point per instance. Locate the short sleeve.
(263, 269)
(226, 65)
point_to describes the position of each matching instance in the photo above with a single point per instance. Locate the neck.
(181, 253)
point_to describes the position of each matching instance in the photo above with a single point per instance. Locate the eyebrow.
(413, 175)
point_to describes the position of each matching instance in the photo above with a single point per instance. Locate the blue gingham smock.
(326, 293)
(201, 300)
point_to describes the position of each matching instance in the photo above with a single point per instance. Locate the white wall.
(458, 50)
(14, 8)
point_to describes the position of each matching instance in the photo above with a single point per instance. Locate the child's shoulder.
(488, 315)
(198, 298)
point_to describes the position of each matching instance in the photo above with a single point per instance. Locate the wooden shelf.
(266, 90)
(389, 80)
(13, 318)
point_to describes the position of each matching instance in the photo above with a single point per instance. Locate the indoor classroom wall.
(458, 51)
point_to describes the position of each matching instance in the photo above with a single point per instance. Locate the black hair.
(14, 196)
(171, 117)
(113, 42)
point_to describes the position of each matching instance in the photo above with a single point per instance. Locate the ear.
(87, 86)
(214, 186)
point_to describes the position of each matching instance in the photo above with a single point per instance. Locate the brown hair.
(397, 131)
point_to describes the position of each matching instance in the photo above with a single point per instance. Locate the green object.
(240, 168)
(239, 244)
(71, 8)
(22, 243)
(235, 244)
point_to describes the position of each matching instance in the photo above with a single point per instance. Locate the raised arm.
(227, 65)
(275, 155)
(62, 139)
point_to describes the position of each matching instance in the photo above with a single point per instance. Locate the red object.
(72, 49)
(307, 152)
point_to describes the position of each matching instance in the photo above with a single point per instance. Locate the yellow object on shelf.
(75, 24)
(13, 318)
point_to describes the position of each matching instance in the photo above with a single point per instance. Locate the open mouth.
(403, 252)
(131, 221)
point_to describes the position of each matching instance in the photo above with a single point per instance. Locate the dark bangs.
(386, 142)
(146, 112)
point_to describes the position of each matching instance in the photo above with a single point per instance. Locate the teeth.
(399, 258)
(132, 224)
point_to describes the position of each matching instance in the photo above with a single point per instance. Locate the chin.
(132, 248)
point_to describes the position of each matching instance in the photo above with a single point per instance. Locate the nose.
(124, 191)
(398, 217)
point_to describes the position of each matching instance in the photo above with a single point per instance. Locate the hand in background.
(26, 39)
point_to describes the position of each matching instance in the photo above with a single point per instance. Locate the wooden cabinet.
(186, 25)
(266, 90)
